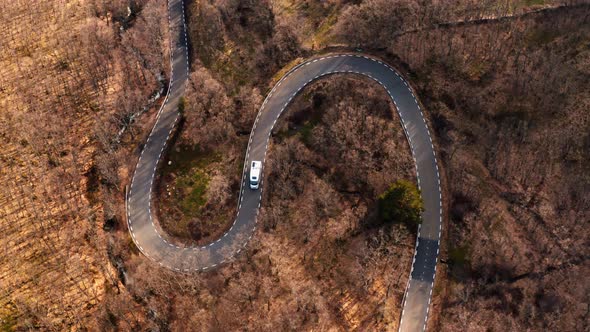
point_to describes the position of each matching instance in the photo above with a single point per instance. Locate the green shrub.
(181, 105)
(401, 203)
(194, 186)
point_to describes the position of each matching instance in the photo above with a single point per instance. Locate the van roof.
(255, 170)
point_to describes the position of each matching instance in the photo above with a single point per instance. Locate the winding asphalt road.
(153, 243)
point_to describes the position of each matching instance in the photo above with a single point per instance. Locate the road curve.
(152, 242)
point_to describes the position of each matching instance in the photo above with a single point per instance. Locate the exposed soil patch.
(189, 206)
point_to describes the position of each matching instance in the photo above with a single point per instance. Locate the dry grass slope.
(61, 88)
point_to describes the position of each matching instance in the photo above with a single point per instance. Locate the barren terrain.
(505, 88)
(64, 99)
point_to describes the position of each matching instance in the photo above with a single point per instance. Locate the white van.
(255, 173)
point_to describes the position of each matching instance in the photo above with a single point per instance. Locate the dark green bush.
(401, 203)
